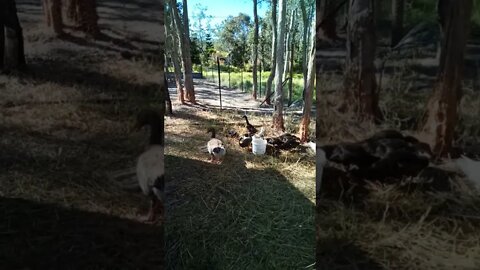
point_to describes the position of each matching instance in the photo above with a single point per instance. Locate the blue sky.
(221, 9)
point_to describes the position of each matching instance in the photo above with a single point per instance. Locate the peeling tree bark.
(53, 15)
(255, 50)
(441, 116)
(274, 53)
(175, 57)
(184, 45)
(307, 108)
(278, 123)
(360, 87)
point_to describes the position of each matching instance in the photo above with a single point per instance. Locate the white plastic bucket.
(259, 146)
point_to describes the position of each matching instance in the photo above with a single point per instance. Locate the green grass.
(236, 82)
(247, 213)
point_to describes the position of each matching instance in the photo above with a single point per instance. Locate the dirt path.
(207, 93)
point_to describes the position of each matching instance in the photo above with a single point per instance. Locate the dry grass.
(390, 228)
(57, 145)
(250, 212)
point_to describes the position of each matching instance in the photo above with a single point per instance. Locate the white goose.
(150, 164)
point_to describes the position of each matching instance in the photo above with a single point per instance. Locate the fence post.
(219, 82)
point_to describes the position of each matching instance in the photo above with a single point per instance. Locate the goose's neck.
(156, 134)
(246, 119)
(213, 133)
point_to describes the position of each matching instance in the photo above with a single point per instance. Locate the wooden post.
(219, 82)
(242, 79)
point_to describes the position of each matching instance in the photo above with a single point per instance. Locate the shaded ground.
(63, 127)
(389, 228)
(247, 213)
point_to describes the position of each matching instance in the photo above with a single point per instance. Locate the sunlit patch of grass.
(250, 212)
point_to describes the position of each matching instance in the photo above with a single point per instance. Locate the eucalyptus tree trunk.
(52, 10)
(11, 34)
(278, 108)
(360, 87)
(441, 116)
(255, 50)
(186, 55)
(398, 7)
(307, 108)
(268, 92)
(163, 80)
(304, 44)
(289, 40)
(172, 48)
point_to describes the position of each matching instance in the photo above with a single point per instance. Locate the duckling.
(150, 164)
(251, 129)
(245, 140)
(215, 147)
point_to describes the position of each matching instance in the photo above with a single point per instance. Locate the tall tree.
(52, 10)
(233, 38)
(163, 81)
(287, 42)
(184, 45)
(441, 115)
(361, 95)
(88, 17)
(304, 44)
(398, 7)
(268, 93)
(11, 47)
(81, 13)
(307, 108)
(278, 108)
(173, 51)
(255, 50)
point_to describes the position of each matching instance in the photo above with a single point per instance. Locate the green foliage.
(236, 81)
(233, 38)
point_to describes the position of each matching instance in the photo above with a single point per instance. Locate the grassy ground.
(236, 81)
(390, 228)
(59, 140)
(247, 213)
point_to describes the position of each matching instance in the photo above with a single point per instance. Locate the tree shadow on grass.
(229, 216)
(47, 236)
(62, 72)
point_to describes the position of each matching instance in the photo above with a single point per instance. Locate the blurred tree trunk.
(163, 83)
(184, 46)
(327, 27)
(72, 14)
(317, 79)
(398, 7)
(255, 50)
(53, 15)
(360, 87)
(268, 92)
(2, 42)
(278, 108)
(441, 115)
(307, 108)
(167, 95)
(88, 17)
(13, 55)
